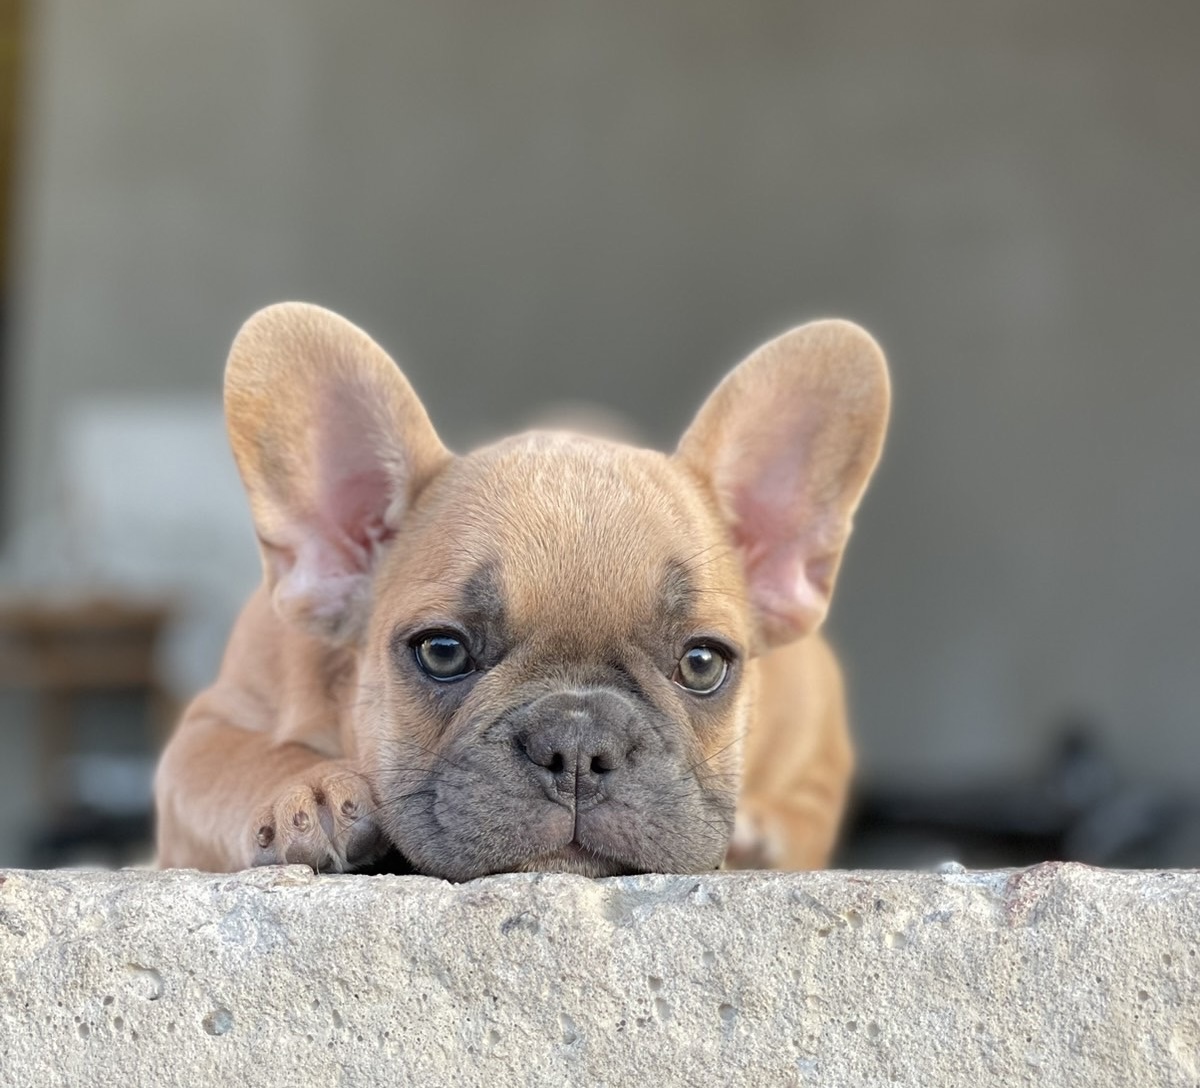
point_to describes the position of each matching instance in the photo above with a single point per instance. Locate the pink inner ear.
(788, 574)
(335, 550)
(352, 508)
(353, 488)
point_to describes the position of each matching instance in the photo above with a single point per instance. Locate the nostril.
(601, 764)
(541, 753)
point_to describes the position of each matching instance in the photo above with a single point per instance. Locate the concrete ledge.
(1057, 975)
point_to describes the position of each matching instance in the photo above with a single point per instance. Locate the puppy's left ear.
(332, 445)
(787, 443)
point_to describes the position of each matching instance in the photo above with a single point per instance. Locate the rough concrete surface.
(1056, 975)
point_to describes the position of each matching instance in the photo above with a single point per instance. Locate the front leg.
(798, 762)
(231, 798)
(792, 832)
(323, 817)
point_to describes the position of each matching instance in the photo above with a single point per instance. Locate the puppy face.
(557, 650)
(552, 633)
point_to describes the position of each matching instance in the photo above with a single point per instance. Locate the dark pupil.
(702, 666)
(443, 656)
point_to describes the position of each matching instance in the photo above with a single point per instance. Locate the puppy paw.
(752, 846)
(324, 818)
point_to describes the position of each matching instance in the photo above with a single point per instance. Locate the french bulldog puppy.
(554, 653)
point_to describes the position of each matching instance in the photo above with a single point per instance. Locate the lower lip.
(573, 854)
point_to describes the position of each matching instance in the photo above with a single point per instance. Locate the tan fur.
(798, 762)
(315, 726)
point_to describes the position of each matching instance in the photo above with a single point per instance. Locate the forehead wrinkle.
(481, 602)
(585, 538)
(677, 594)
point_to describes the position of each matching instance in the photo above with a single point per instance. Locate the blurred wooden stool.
(62, 651)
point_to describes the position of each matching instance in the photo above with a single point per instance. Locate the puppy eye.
(442, 656)
(702, 669)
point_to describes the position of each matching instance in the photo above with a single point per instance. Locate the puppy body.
(629, 635)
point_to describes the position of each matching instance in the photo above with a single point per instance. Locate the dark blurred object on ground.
(85, 837)
(1078, 808)
(64, 653)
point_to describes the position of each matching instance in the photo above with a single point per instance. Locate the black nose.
(577, 742)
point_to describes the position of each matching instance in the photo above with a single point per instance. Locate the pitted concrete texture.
(1057, 975)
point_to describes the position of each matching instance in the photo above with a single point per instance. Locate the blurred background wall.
(533, 202)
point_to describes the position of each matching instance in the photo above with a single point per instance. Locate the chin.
(579, 860)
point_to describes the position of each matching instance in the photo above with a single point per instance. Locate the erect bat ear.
(332, 445)
(787, 443)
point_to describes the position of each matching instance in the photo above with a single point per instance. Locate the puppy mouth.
(460, 825)
(565, 840)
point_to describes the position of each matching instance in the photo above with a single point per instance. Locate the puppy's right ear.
(787, 443)
(332, 445)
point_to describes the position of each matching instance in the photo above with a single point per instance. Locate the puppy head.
(552, 632)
